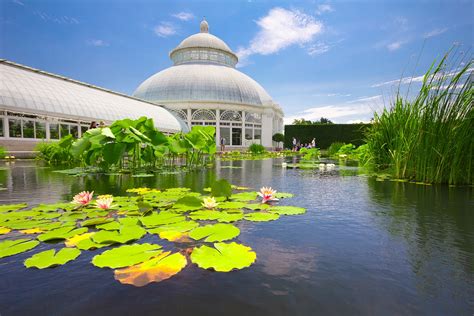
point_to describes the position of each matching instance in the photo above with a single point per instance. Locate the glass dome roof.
(204, 70)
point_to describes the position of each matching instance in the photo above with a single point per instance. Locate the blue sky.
(337, 59)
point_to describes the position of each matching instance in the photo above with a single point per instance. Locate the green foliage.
(321, 121)
(334, 148)
(57, 153)
(278, 137)
(325, 134)
(429, 138)
(223, 257)
(12, 247)
(216, 232)
(221, 188)
(3, 152)
(126, 256)
(257, 149)
(310, 153)
(51, 258)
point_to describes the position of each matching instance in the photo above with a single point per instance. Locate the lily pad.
(61, 233)
(261, 216)
(13, 247)
(230, 216)
(231, 205)
(244, 196)
(4, 230)
(224, 257)
(258, 206)
(283, 195)
(97, 221)
(216, 232)
(51, 258)
(32, 231)
(12, 207)
(73, 241)
(124, 235)
(109, 226)
(188, 203)
(176, 232)
(288, 210)
(205, 215)
(126, 256)
(163, 267)
(162, 218)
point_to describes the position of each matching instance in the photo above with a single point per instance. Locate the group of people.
(94, 124)
(297, 144)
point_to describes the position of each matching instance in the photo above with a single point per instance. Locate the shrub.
(334, 148)
(278, 137)
(56, 153)
(3, 152)
(309, 154)
(256, 149)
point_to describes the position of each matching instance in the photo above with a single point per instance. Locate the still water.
(363, 248)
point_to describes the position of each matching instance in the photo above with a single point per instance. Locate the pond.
(363, 247)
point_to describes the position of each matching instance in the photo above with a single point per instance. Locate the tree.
(278, 138)
(302, 121)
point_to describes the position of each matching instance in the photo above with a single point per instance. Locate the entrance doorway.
(236, 136)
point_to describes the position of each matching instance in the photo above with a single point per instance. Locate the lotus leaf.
(4, 230)
(230, 216)
(12, 207)
(51, 258)
(216, 232)
(31, 231)
(259, 206)
(288, 210)
(88, 244)
(54, 207)
(178, 227)
(188, 203)
(61, 233)
(162, 218)
(244, 196)
(234, 205)
(261, 217)
(163, 267)
(32, 224)
(126, 256)
(97, 221)
(72, 216)
(221, 188)
(204, 215)
(73, 241)
(109, 226)
(224, 257)
(283, 195)
(126, 234)
(12, 247)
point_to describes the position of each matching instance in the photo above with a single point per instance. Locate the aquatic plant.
(209, 202)
(267, 194)
(56, 153)
(3, 152)
(429, 138)
(104, 202)
(174, 214)
(334, 148)
(257, 149)
(310, 153)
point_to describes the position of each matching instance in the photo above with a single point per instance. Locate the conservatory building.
(203, 87)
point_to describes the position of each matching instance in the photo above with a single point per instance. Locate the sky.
(341, 60)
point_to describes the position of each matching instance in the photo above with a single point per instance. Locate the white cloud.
(19, 2)
(435, 32)
(279, 29)
(323, 8)
(97, 43)
(395, 45)
(361, 109)
(318, 48)
(56, 19)
(183, 16)
(165, 29)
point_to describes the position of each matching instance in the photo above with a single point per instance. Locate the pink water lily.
(104, 202)
(267, 194)
(83, 198)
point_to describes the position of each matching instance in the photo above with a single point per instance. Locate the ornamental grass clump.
(429, 138)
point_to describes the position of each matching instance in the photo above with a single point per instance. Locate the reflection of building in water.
(204, 88)
(36, 105)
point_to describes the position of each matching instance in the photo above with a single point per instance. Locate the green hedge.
(325, 134)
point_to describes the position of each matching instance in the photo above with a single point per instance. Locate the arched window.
(181, 114)
(233, 116)
(253, 118)
(203, 117)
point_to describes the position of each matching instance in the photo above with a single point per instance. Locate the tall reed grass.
(429, 138)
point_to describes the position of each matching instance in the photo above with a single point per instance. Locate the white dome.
(203, 40)
(202, 82)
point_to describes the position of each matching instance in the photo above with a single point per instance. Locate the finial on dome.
(204, 27)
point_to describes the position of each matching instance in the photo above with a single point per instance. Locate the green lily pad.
(161, 218)
(205, 215)
(126, 256)
(224, 257)
(13, 247)
(283, 195)
(231, 205)
(244, 196)
(188, 203)
(124, 235)
(177, 227)
(97, 221)
(61, 233)
(288, 210)
(54, 207)
(230, 216)
(109, 226)
(51, 258)
(261, 216)
(259, 206)
(89, 244)
(12, 207)
(216, 232)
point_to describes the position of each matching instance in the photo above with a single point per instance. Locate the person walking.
(223, 144)
(313, 143)
(294, 144)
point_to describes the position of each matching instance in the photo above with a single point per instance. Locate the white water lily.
(209, 203)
